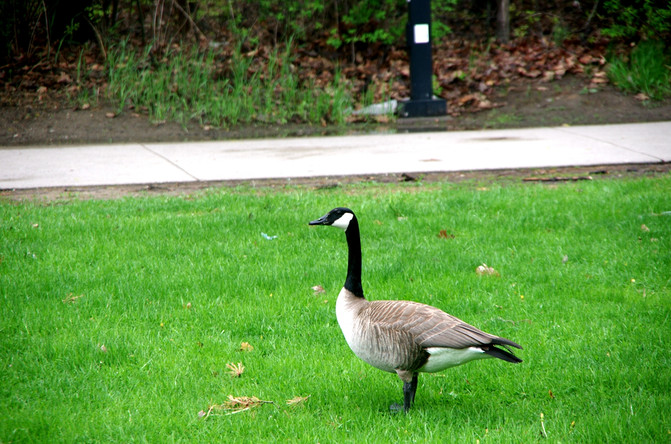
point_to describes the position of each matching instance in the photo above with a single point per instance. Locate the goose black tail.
(501, 353)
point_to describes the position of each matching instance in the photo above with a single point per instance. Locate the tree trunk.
(503, 21)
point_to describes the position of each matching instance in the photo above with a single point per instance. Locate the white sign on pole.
(422, 33)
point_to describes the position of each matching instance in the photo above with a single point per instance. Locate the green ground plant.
(184, 86)
(647, 70)
(126, 320)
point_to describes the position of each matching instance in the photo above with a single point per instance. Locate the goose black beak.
(320, 221)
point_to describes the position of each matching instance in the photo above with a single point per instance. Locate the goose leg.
(409, 388)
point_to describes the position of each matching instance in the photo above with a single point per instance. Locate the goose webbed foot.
(396, 408)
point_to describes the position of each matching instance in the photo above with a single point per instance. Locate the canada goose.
(402, 336)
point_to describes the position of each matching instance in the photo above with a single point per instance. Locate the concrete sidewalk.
(34, 167)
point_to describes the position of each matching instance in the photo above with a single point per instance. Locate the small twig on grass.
(99, 38)
(244, 402)
(297, 400)
(556, 179)
(234, 405)
(237, 411)
(188, 17)
(586, 26)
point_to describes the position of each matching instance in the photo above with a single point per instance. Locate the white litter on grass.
(266, 237)
(377, 109)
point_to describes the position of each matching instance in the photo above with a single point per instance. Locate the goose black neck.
(353, 280)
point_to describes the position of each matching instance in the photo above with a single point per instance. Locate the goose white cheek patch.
(343, 221)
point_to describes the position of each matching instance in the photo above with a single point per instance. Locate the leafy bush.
(18, 19)
(441, 10)
(646, 70)
(373, 21)
(631, 19)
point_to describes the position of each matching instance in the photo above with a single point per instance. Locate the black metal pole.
(418, 34)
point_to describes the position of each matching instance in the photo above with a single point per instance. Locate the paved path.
(33, 167)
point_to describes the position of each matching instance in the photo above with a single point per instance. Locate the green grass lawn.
(119, 317)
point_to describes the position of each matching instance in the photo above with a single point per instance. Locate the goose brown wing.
(430, 326)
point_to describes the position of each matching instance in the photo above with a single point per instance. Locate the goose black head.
(338, 217)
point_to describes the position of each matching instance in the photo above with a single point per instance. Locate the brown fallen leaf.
(599, 80)
(645, 228)
(485, 270)
(64, 78)
(548, 76)
(246, 346)
(586, 59)
(444, 235)
(383, 118)
(236, 370)
(463, 100)
(533, 73)
(318, 289)
(486, 104)
(72, 298)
